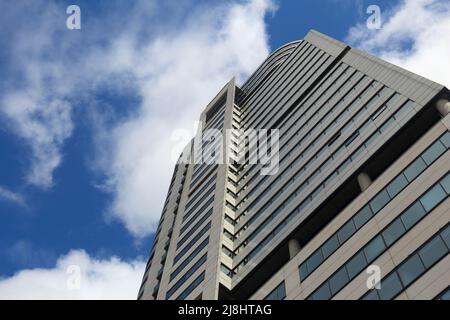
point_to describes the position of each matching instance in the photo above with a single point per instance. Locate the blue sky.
(80, 110)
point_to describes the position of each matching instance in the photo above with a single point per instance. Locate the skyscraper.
(360, 195)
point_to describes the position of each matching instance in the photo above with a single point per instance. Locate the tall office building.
(363, 186)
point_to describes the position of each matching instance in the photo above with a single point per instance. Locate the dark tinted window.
(362, 217)
(338, 280)
(374, 248)
(433, 251)
(315, 260)
(411, 269)
(323, 293)
(433, 152)
(330, 246)
(356, 264)
(346, 231)
(390, 287)
(379, 201)
(397, 185)
(393, 232)
(412, 215)
(433, 197)
(415, 169)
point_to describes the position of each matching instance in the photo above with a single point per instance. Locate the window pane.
(271, 296)
(433, 251)
(446, 139)
(412, 215)
(372, 295)
(403, 110)
(415, 169)
(362, 217)
(393, 232)
(330, 246)
(303, 271)
(379, 201)
(411, 269)
(397, 185)
(433, 197)
(338, 280)
(445, 234)
(374, 248)
(323, 293)
(433, 152)
(446, 183)
(387, 125)
(281, 291)
(314, 261)
(390, 287)
(356, 264)
(346, 231)
(445, 295)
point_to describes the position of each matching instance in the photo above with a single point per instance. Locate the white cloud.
(99, 279)
(177, 74)
(175, 67)
(412, 36)
(34, 102)
(11, 196)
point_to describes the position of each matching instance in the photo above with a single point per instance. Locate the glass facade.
(380, 243)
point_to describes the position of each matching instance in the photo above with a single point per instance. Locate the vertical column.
(443, 107)
(294, 248)
(364, 181)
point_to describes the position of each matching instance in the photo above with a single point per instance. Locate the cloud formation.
(109, 279)
(34, 93)
(177, 74)
(413, 37)
(10, 196)
(173, 66)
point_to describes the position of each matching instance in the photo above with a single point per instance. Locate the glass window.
(393, 232)
(433, 251)
(338, 280)
(323, 293)
(387, 124)
(433, 197)
(314, 261)
(362, 216)
(378, 112)
(303, 271)
(371, 295)
(281, 291)
(374, 248)
(379, 201)
(397, 185)
(446, 140)
(410, 269)
(403, 110)
(356, 264)
(372, 138)
(433, 152)
(390, 287)
(445, 295)
(191, 287)
(445, 234)
(446, 183)
(330, 246)
(412, 215)
(346, 231)
(415, 169)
